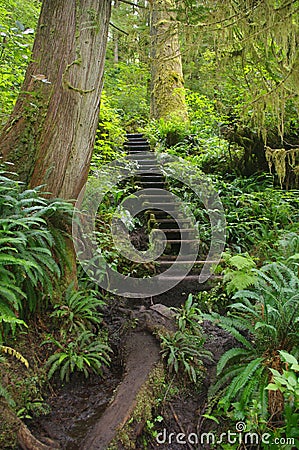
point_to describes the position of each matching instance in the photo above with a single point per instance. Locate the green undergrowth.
(18, 20)
(45, 331)
(183, 350)
(263, 318)
(260, 219)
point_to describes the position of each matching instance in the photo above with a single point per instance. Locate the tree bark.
(167, 90)
(116, 39)
(50, 134)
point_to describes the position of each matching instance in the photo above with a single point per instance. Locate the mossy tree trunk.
(167, 90)
(50, 134)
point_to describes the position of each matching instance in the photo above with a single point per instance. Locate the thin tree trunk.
(115, 39)
(51, 132)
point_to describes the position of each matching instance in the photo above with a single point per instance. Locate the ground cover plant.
(34, 263)
(257, 301)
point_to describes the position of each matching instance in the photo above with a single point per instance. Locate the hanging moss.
(255, 43)
(280, 158)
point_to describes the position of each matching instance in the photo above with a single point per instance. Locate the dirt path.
(143, 353)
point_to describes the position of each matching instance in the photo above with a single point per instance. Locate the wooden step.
(149, 197)
(158, 204)
(164, 221)
(152, 178)
(137, 151)
(181, 241)
(148, 171)
(134, 144)
(186, 278)
(175, 231)
(133, 135)
(174, 225)
(157, 213)
(148, 168)
(152, 184)
(139, 156)
(151, 189)
(173, 262)
(173, 258)
(147, 162)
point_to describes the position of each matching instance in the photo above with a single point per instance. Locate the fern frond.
(251, 387)
(11, 351)
(241, 262)
(225, 378)
(235, 388)
(230, 325)
(228, 356)
(5, 394)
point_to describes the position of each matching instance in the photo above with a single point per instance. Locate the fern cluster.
(184, 349)
(81, 345)
(239, 273)
(264, 320)
(84, 352)
(32, 249)
(78, 311)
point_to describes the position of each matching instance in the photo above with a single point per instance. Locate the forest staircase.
(157, 199)
(142, 351)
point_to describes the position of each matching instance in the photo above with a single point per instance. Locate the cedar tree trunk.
(167, 92)
(50, 134)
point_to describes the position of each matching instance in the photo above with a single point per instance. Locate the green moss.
(169, 94)
(147, 399)
(8, 428)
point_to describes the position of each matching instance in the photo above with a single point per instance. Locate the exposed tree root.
(25, 438)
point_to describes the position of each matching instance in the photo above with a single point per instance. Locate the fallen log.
(143, 354)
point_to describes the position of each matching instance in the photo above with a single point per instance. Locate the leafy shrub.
(197, 140)
(287, 383)
(188, 316)
(238, 273)
(257, 215)
(78, 311)
(165, 134)
(216, 299)
(183, 349)
(183, 352)
(110, 135)
(32, 252)
(85, 353)
(263, 321)
(127, 88)
(17, 22)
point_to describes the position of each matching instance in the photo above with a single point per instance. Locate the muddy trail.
(88, 414)
(75, 408)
